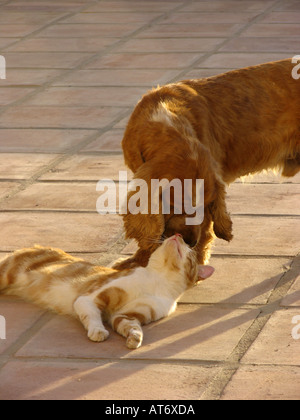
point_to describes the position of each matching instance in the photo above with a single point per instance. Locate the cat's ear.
(205, 271)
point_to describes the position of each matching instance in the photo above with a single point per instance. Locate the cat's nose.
(178, 234)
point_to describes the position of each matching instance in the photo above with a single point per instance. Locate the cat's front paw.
(97, 334)
(134, 339)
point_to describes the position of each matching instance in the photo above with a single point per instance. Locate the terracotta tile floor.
(75, 69)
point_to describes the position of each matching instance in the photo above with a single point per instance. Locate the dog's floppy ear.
(221, 218)
(139, 223)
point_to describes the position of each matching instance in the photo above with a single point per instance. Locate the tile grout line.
(205, 363)
(89, 211)
(9, 353)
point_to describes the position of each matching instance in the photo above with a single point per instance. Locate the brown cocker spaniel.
(217, 129)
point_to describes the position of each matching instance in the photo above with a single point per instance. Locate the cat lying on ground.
(125, 299)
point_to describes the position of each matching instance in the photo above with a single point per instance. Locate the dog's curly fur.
(216, 129)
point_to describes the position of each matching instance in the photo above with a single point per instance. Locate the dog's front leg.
(203, 247)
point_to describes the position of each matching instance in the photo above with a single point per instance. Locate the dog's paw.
(97, 334)
(134, 339)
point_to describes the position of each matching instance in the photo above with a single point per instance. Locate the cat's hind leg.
(129, 326)
(90, 316)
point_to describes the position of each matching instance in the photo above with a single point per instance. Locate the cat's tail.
(13, 269)
(5, 279)
(18, 271)
(44, 276)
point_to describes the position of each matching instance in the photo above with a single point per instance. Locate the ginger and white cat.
(125, 299)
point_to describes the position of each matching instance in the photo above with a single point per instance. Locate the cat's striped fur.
(125, 299)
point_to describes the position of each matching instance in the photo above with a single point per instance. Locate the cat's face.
(175, 257)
